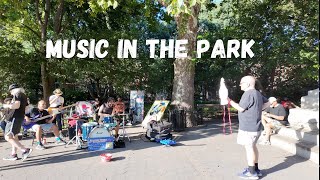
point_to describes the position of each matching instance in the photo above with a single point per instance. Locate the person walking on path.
(14, 122)
(249, 112)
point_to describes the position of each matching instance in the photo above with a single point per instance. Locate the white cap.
(272, 99)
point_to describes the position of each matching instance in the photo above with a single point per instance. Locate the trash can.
(178, 119)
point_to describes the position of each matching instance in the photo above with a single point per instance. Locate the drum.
(108, 120)
(109, 126)
(99, 132)
(86, 128)
(85, 109)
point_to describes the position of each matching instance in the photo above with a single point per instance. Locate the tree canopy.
(285, 33)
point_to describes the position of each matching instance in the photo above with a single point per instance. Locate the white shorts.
(246, 138)
(44, 127)
(35, 127)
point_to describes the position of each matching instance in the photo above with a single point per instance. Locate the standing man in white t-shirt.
(56, 101)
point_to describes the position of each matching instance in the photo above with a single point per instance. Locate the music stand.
(79, 142)
(124, 133)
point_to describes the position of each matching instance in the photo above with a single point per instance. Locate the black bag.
(119, 144)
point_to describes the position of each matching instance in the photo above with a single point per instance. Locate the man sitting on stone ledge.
(273, 118)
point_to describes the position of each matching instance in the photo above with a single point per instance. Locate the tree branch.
(34, 32)
(35, 48)
(38, 13)
(58, 17)
(47, 13)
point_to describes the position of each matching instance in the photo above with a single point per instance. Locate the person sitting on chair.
(119, 106)
(5, 114)
(287, 104)
(273, 118)
(106, 109)
(43, 125)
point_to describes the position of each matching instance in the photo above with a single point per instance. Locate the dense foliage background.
(286, 35)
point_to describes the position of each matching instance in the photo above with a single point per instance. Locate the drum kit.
(85, 110)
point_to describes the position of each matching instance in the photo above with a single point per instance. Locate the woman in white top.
(56, 101)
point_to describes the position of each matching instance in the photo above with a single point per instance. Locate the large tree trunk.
(43, 23)
(45, 81)
(184, 68)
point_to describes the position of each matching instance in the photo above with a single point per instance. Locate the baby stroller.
(157, 131)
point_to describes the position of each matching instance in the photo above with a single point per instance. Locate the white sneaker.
(60, 142)
(129, 124)
(11, 158)
(40, 147)
(26, 154)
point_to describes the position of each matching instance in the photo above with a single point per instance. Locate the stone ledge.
(304, 118)
(306, 150)
(314, 93)
(308, 102)
(300, 134)
(311, 101)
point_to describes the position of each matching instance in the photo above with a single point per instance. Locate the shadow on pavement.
(289, 161)
(118, 158)
(210, 129)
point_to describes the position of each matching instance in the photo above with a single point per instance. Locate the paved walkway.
(202, 153)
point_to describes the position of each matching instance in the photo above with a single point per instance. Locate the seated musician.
(106, 109)
(42, 125)
(5, 114)
(119, 107)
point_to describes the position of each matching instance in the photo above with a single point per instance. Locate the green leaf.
(115, 4)
(193, 2)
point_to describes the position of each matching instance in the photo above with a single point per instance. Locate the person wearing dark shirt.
(42, 124)
(14, 122)
(273, 118)
(249, 112)
(107, 109)
(97, 104)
